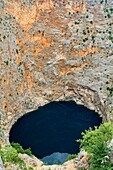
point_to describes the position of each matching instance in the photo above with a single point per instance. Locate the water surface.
(53, 128)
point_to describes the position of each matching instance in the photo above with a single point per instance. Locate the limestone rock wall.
(54, 50)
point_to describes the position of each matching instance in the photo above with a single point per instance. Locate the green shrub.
(110, 91)
(91, 22)
(6, 62)
(10, 155)
(84, 32)
(100, 160)
(85, 39)
(101, 1)
(109, 16)
(95, 143)
(0, 20)
(19, 149)
(57, 163)
(28, 151)
(76, 22)
(72, 156)
(45, 163)
(111, 9)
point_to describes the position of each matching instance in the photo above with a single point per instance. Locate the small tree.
(95, 143)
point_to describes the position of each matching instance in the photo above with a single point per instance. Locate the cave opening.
(51, 131)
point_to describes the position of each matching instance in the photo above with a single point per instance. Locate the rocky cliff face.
(55, 50)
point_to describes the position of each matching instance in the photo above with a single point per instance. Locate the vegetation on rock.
(95, 142)
(72, 156)
(19, 149)
(10, 157)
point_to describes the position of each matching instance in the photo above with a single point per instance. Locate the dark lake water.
(53, 128)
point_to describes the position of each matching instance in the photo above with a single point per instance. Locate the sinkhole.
(51, 130)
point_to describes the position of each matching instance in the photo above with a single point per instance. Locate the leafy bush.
(72, 156)
(91, 22)
(110, 91)
(28, 151)
(101, 1)
(109, 16)
(95, 143)
(0, 20)
(85, 39)
(19, 149)
(76, 22)
(84, 32)
(9, 155)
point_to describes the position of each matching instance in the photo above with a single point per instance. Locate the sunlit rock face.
(52, 130)
(54, 50)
